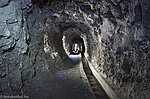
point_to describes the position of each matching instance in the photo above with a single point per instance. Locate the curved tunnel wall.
(111, 35)
(63, 34)
(71, 37)
(111, 39)
(115, 34)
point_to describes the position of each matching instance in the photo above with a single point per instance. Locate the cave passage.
(73, 46)
(73, 49)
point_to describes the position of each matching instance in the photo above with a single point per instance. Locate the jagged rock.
(124, 7)
(7, 44)
(11, 21)
(13, 32)
(105, 9)
(4, 32)
(116, 1)
(86, 9)
(116, 35)
(116, 11)
(4, 3)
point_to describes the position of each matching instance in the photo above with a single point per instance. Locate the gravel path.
(64, 84)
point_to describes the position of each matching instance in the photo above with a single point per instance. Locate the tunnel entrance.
(73, 46)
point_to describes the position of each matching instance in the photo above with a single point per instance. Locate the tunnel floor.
(63, 84)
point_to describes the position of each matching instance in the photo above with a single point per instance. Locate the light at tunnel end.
(75, 57)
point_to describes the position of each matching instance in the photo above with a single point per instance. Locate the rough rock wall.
(115, 33)
(21, 46)
(123, 54)
(13, 44)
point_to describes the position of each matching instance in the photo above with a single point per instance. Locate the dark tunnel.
(75, 49)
